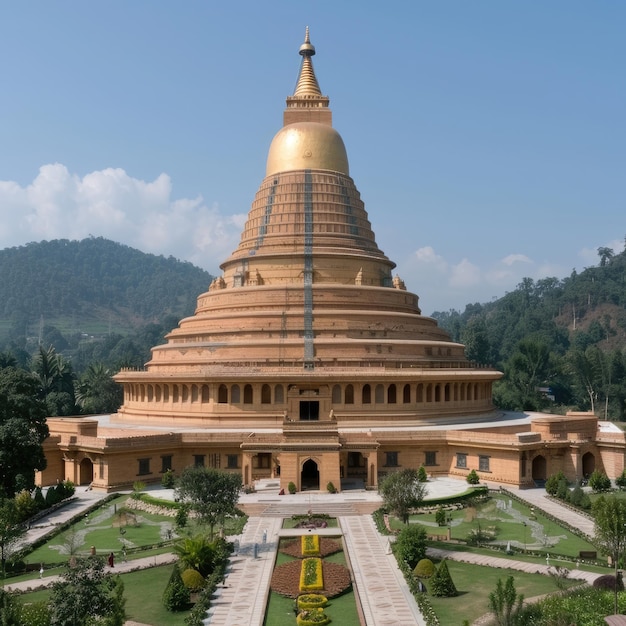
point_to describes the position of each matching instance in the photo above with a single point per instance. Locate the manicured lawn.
(142, 590)
(474, 584)
(507, 517)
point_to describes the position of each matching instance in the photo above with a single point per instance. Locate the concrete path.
(540, 499)
(506, 563)
(119, 568)
(241, 600)
(379, 585)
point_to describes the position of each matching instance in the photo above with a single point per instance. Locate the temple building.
(307, 361)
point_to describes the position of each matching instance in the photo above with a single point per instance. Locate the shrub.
(440, 516)
(311, 574)
(620, 481)
(52, 497)
(410, 546)
(607, 582)
(441, 584)
(424, 569)
(291, 487)
(193, 579)
(182, 515)
(330, 487)
(599, 481)
(168, 479)
(25, 506)
(138, 487)
(473, 478)
(39, 500)
(176, 595)
(552, 484)
(422, 474)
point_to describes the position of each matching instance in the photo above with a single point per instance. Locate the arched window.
(194, 393)
(429, 392)
(235, 394)
(175, 394)
(419, 395)
(279, 394)
(266, 394)
(337, 394)
(406, 394)
(380, 394)
(437, 393)
(142, 393)
(391, 394)
(349, 399)
(367, 394)
(205, 394)
(247, 394)
(166, 393)
(446, 393)
(150, 393)
(185, 393)
(222, 394)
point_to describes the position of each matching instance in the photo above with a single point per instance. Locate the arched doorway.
(589, 464)
(310, 476)
(86, 472)
(540, 469)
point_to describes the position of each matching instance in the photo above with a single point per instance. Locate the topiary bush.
(608, 582)
(410, 546)
(330, 487)
(311, 601)
(473, 478)
(176, 595)
(422, 475)
(424, 569)
(291, 487)
(441, 584)
(552, 484)
(193, 579)
(168, 480)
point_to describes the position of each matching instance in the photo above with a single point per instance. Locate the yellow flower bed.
(311, 575)
(310, 545)
(312, 601)
(316, 617)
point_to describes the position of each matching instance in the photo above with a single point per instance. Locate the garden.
(311, 583)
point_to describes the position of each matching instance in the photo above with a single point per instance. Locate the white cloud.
(464, 274)
(427, 255)
(515, 258)
(111, 204)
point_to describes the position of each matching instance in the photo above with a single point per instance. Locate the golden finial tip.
(307, 49)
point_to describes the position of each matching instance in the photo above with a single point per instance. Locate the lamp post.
(524, 536)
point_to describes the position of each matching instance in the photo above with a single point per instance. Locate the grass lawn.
(538, 535)
(142, 591)
(474, 584)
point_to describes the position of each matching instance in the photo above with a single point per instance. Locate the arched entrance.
(86, 472)
(310, 476)
(589, 464)
(540, 468)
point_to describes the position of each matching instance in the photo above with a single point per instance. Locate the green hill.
(93, 287)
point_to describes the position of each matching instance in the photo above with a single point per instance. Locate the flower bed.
(286, 577)
(312, 601)
(314, 617)
(326, 547)
(310, 545)
(311, 577)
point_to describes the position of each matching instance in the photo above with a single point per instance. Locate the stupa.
(307, 361)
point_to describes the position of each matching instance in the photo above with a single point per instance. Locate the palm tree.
(97, 392)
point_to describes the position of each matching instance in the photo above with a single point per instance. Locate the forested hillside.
(563, 338)
(75, 294)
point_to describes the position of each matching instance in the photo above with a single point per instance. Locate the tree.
(441, 584)
(10, 530)
(211, 493)
(473, 478)
(403, 491)
(56, 380)
(196, 553)
(475, 338)
(176, 595)
(23, 430)
(605, 254)
(610, 528)
(505, 603)
(86, 596)
(97, 392)
(410, 545)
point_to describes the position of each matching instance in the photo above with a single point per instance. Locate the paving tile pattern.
(382, 592)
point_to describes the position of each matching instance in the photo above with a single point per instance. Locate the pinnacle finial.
(307, 49)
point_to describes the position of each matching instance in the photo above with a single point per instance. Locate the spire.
(307, 82)
(307, 104)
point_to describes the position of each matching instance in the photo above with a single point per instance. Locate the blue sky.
(487, 138)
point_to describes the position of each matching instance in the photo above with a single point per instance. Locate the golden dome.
(307, 145)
